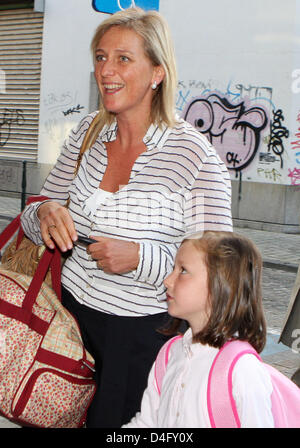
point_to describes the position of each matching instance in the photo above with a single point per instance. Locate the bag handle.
(30, 200)
(9, 231)
(50, 259)
(15, 224)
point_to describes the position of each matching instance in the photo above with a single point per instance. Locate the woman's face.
(125, 74)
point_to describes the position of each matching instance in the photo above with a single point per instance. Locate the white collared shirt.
(177, 187)
(183, 399)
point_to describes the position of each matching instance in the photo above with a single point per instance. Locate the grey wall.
(255, 205)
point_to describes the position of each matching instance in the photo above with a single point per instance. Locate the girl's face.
(124, 73)
(187, 287)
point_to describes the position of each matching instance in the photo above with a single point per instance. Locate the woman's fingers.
(114, 256)
(57, 226)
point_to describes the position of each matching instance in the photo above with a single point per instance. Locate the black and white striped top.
(178, 187)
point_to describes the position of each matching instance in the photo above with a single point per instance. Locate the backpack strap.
(15, 224)
(220, 402)
(162, 361)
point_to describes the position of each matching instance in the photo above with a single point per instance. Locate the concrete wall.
(266, 206)
(254, 205)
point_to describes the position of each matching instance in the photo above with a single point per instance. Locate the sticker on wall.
(112, 6)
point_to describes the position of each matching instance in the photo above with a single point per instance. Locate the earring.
(154, 85)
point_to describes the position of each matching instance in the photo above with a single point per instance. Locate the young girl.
(216, 287)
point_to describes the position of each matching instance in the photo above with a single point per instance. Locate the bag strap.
(14, 225)
(220, 401)
(9, 231)
(50, 259)
(162, 361)
(30, 200)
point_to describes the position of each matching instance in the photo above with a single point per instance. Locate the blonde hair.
(154, 30)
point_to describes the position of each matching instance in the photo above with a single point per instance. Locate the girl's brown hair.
(234, 267)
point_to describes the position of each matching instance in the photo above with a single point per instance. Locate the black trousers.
(124, 349)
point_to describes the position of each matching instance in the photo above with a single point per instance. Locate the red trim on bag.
(64, 363)
(9, 231)
(31, 320)
(25, 396)
(15, 224)
(48, 259)
(25, 315)
(30, 200)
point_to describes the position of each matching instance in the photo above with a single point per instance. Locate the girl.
(216, 287)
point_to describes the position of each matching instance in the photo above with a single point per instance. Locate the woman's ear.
(159, 74)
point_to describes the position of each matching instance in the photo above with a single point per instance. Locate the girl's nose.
(168, 281)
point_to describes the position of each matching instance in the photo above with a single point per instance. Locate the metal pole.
(23, 194)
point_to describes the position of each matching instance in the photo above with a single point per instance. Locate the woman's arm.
(208, 202)
(37, 216)
(207, 206)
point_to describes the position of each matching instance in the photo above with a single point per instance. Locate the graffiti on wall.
(244, 125)
(294, 173)
(234, 130)
(8, 118)
(112, 6)
(277, 135)
(57, 104)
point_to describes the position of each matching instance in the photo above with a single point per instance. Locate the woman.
(146, 180)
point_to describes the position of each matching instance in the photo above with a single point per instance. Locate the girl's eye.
(183, 271)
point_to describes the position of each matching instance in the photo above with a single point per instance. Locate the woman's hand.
(56, 225)
(115, 256)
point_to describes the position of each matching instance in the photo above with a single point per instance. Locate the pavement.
(281, 257)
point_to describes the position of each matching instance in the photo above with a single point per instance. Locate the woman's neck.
(131, 132)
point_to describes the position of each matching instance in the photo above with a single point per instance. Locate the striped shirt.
(178, 187)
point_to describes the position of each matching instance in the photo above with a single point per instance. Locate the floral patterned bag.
(46, 374)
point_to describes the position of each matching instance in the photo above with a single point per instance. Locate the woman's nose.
(108, 68)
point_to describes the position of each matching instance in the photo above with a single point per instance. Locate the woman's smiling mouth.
(112, 88)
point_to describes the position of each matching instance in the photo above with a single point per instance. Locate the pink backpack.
(221, 406)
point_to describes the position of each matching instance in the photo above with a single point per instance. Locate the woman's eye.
(100, 58)
(124, 58)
